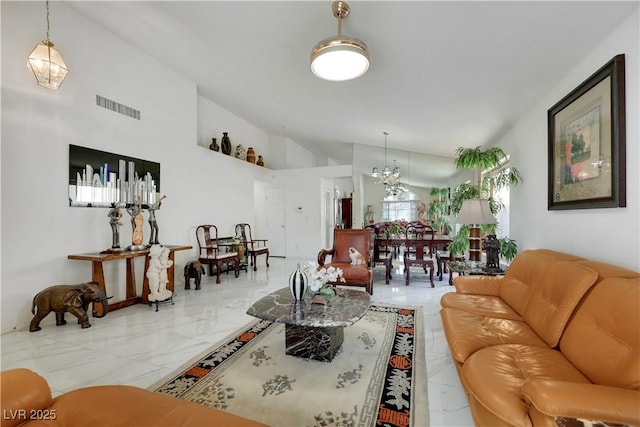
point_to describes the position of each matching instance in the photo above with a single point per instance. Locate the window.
(394, 210)
(502, 195)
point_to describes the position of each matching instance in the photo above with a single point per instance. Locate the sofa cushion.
(495, 376)
(360, 273)
(467, 332)
(22, 389)
(484, 305)
(120, 405)
(524, 275)
(478, 285)
(603, 338)
(605, 270)
(560, 290)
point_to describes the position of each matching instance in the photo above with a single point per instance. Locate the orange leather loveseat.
(26, 401)
(555, 342)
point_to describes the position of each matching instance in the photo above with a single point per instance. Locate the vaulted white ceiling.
(443, 74)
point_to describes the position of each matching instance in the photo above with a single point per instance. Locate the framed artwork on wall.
(101, 179)
(586, 143)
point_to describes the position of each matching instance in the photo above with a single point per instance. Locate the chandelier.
(388, 177)
(46, 63)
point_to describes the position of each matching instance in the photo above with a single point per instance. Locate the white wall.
(39, 229)
(213, 120)
(610, 235)
(304, 188)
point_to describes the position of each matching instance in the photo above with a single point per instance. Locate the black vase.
(226, 143)
(214, 145)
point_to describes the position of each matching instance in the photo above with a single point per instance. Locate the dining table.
(440, 242)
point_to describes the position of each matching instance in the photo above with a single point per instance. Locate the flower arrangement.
(398, 227)
(320, 277)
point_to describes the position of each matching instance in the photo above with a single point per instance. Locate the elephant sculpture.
(193, 269)
(72, 298)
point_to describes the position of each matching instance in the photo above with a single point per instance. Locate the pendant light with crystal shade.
(340, 58)
(388, 176)
(46, 63)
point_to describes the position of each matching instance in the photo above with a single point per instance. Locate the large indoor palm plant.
(496, 176)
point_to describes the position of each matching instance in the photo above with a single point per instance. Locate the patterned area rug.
(378, 377)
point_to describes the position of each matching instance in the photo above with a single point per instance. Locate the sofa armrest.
(478, 285)
(323, 254)
(24, 393)
(584, 401)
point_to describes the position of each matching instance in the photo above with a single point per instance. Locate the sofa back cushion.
(605, 270)
(552, 302)
(23, 393)
(603, 338)
(524, 275)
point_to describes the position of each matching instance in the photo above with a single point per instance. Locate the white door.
(329, 215)
(276, 230)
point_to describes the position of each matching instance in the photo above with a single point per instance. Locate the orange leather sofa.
(554, 342)
(26, 401)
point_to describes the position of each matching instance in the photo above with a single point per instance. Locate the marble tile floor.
(138, 346)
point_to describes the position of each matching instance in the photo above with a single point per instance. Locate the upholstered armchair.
(354, 275)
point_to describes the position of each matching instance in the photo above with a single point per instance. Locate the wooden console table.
(97, 274)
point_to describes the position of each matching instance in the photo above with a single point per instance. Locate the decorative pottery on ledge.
(226, 143)
(251, 155)
(240, 153)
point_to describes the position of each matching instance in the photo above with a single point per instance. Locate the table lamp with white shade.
(475, 212)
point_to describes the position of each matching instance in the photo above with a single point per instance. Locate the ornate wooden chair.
(419, 251)
(254, 247)
(210, 251)
(355, 275)
(382, 250)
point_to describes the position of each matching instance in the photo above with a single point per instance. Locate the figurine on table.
(115, 220)
(153, 238)
(493, 246)
(137, 220)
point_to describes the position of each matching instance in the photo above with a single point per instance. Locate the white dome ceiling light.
(340, 58)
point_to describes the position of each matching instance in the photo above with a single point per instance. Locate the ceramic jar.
(251, 155)
(260, 161)
(214, 145)
(240, 153)
(369, 215)
(226, 143)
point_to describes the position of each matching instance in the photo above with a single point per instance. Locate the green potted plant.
(491, 159)
(439, 209)
(508, 249)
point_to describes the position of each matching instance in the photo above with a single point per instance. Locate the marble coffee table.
(313, 331)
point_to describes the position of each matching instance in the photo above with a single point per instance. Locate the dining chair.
(254, 247)
(419, 251)
(382, 249)
(211, 253)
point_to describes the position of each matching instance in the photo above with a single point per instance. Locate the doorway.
(275, 221)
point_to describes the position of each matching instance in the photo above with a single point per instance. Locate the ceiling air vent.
(112, 105)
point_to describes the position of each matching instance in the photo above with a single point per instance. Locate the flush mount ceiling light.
(46, 62)
(340, 58)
